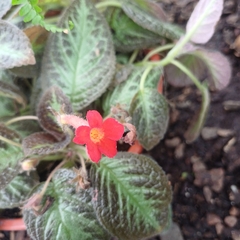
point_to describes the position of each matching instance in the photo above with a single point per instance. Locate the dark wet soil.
(205, 175)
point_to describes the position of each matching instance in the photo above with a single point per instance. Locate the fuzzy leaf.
(124, 92)
(42, 143)
(69, 214)
(5, 5)
(81, 62)
(204, 64)
(11, 91)
(25, 128)
(17, 191)
(10, 156)
(148, 21)
(212, 11)
(15, 48)
(127, 35)
(219, 68)
(149, 111)
(132, 196)
(54, 99)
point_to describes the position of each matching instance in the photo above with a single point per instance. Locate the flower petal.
(113, 129)
(94, 119)
(82, 135)
(93, 152)
(108, 147)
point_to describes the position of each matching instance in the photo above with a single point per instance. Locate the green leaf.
(4, 7)
(132, 196)
(149, 111)
(127, 35)
(150, 22)
(17, 191)
(53, 99)
(42, 143)
(15, 48)
(81, 62)
(69, 215)
(10, 156)
(124, 92)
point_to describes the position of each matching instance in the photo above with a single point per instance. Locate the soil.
(205, 175)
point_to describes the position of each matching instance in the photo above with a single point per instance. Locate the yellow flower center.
(96, 135)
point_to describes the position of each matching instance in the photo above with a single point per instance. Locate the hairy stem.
(144, 77)
(50, 176)
(108, 3)
(17, 119)
(10, 142)
(158, 50)
(133, 57)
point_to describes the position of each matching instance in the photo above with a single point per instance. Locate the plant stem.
(157, 50)
(50, 176)
(144, 77)
(133, 57)
(17, 119)
(189, 74)
(187, 37)
(108, 3)
(10, 142)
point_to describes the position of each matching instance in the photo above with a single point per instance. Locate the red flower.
(100, 136)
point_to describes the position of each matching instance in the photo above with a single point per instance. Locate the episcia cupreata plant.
(92, 61)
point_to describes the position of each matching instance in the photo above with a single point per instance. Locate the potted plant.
(87, 85)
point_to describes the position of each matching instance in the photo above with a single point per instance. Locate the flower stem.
(17, 119)
(157, 50)
(10, 142)
(108, 3)
(189, 74)
(50, 177)
(144, 77)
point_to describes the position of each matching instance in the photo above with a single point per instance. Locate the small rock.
(234, 211)
(209, 133)
(217, 177)
(219, 228)
(235, 164)
(172, 143)
(213, 219)
(173, 233)
(230, 221)
(231, 105)
(207, 192)
(236, 235)
(229, 145)
(179, 151)
(236, 46)
(174, 115)
(225, 132)
(198, 165)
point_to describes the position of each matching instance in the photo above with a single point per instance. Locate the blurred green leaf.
(149, 111)
(132, 196)
(81, 62)
(17, 191)
(69, 213)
